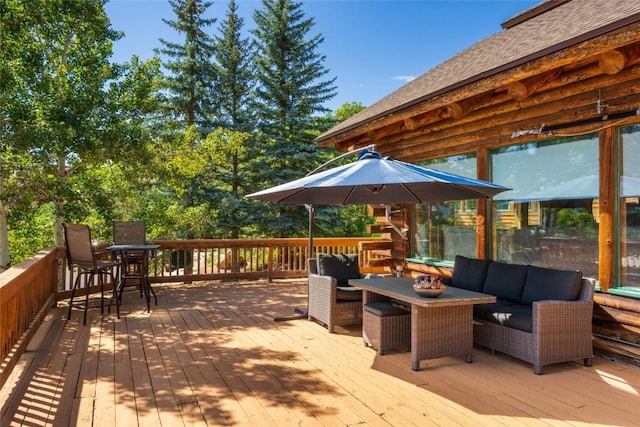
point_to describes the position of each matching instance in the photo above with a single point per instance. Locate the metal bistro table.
(142, 275)
(441, 326)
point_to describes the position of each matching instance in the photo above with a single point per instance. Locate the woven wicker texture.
(387, 332)
(441, 331)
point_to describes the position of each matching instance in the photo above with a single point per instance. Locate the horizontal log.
(558, 86)
(501, 135)
(377, 228)
(374, 245)
(384, 270)
(382, 228)
(618, 349)
(617, 302)
(380, 262)
(614, 315)
(615, 330)
(380, 211)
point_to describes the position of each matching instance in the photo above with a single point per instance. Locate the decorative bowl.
(429, 292)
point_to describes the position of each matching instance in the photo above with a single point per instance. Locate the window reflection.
(549, 218)
(444, 230)
(629, 207)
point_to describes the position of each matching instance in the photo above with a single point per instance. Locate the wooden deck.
(211, 354)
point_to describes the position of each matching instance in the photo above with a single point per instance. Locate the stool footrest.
(386, 325)
(383, 308)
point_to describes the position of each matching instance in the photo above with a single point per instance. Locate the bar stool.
(386, 325)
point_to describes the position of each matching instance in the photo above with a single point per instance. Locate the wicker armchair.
(330, 303)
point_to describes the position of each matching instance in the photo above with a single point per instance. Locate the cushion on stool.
(384, 309)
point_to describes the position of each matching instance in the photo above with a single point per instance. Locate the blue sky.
(372, 47)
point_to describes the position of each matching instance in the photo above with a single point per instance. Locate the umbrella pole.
(312, 213)
(303, 314)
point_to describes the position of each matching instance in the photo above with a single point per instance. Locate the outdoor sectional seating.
(332, 300)
(541, 315)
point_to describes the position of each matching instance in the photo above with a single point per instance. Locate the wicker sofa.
(541, 315)
(332, 300)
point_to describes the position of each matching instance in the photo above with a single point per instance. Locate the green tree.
(234, 82)
(234, 73)
(188, 85)
(347, 110)
(14, 53)
(292, 89)
(59, 114)
(188, 114)
(70, 113)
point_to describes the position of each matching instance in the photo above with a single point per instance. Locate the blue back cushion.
(551, 284)
(469, 273)
(505, 281)
(341, 267)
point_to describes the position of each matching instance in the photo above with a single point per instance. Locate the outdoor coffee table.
(441, 326)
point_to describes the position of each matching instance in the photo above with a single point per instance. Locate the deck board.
(211, 354)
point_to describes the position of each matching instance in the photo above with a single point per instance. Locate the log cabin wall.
(586, 85)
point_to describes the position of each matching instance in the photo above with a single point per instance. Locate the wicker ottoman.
(386, 326)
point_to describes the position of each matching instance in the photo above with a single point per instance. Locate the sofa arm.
(562, 331)
(569, 316)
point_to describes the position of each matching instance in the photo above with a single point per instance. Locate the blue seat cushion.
(339, 266)
(482, 311)
(551, 284)
(506, 313)
(505, 281)
(469, 273)
(517, 316)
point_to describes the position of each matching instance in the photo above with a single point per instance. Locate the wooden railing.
(213, 259)
(30, 289)
(27, 292)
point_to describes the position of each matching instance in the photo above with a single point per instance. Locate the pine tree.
(189, 114)
(234, 83)
(189, 84)
(291, 91)
(234, 76)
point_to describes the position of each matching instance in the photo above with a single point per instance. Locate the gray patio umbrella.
(375, 180)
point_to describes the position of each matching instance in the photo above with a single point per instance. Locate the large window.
(629, 207)
(549, 218)
(443, 230)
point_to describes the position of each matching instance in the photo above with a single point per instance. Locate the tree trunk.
(5, 260)
(58, 204)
